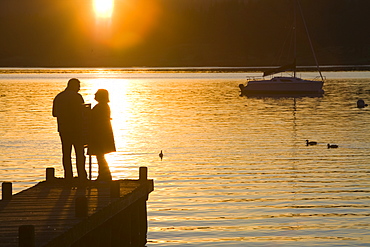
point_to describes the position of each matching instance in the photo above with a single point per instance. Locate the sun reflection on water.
(236, 170)
(121, 117)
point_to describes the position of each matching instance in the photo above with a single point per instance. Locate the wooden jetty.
(57, 213)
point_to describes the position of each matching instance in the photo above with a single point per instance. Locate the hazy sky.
(174, 32)
(80, 27)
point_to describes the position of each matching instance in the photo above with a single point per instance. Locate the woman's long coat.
(101, 133)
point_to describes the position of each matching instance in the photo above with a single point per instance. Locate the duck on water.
(310, 143)
(332, 145)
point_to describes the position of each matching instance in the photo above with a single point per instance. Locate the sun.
(103, 8)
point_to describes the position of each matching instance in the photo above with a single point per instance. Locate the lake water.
(236, 170)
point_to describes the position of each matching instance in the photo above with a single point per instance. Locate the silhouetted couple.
(69, 108)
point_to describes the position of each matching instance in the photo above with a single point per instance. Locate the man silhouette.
(68, 108)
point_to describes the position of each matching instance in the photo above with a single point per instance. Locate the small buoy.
(332, 146)
(308, 143)
(161, 155)
(361, 103)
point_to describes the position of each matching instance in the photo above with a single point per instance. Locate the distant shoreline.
(93, 70)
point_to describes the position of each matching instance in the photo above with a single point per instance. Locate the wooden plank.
(50, 207)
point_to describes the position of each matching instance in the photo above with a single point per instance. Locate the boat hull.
(282, 85)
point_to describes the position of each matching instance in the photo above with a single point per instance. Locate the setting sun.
(103, 8)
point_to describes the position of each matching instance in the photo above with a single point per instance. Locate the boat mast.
(309, 39)
(295, 39)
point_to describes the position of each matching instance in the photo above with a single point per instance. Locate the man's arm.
(55, 107)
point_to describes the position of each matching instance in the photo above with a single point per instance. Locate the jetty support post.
(50, 174)
(81, 207)
(143, 173)
(7, 193)
(140, 224)
(26, 234)
(115, 189)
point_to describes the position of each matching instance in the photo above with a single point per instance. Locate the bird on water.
(361, 103)
(332, 146)
(161, 155)
(310, 143)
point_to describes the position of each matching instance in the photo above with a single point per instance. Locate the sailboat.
(286, 85)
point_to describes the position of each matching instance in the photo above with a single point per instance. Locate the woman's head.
(102, 96)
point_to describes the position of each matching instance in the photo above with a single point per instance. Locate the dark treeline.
(183, 33)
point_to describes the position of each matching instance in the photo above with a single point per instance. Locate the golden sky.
(175, 32)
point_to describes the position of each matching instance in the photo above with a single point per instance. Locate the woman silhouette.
(101, 137)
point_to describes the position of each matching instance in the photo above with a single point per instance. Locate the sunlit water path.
(236, 170)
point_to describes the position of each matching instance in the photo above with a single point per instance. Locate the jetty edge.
(57, 213)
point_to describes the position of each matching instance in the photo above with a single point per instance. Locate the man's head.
(73, 84)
